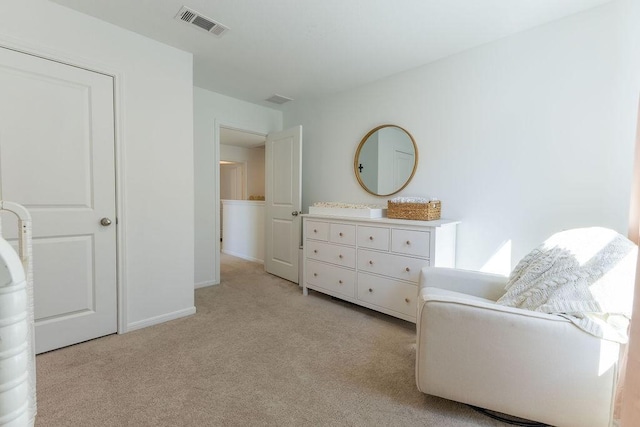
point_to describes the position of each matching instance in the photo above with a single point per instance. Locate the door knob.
(105, 222)
(295, 213)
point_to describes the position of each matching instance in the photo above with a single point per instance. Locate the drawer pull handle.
(340, 256)
(340, 234)
(407, 300)
(370, 237)
(340, 281)
(408, 242)
(370, 262)
(315, 274)
(315, 251)
(407, 269)
(370, 290)
(315, 231)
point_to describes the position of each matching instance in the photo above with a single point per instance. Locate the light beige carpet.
(257, 353)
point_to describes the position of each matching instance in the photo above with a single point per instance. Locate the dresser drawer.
(410, 242)
(340, 255)
(343, 233)
(331, 278)
(387, 293)
(317, 230)
(373, 237)
(396, 266)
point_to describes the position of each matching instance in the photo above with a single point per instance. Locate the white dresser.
(374, 262)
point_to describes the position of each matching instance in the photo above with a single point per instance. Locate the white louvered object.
(201, 22)
(17, 345)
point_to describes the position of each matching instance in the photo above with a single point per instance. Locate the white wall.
(519, 138)
(243, 229)
(369, 159)
(210, 111)
(155, 117)
(255, 172)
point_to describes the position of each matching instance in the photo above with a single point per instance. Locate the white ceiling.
(309, 48)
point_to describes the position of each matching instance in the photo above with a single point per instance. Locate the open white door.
(283, 198)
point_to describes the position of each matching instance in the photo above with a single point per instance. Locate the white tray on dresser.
(356, 213)
(374, 262)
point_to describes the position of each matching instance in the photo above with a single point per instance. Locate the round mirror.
(386, 160)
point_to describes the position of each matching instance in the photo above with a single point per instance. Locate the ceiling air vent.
(202, 22)
(278, 99)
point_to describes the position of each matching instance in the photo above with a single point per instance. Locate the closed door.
(57, 159)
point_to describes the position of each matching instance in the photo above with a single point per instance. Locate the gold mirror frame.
(356, 161)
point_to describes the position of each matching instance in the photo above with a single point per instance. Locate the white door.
(283, 201)
(57, 159)
(402, 167)
(232, 181)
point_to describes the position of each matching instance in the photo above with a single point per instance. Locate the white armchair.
(527, 364)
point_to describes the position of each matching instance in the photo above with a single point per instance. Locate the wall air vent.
(200, 21)
(278, 99)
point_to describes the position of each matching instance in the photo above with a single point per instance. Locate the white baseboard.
(205, 284)
(160, 319)
(243, 256)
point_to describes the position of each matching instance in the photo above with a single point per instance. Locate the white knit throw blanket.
(586, 275)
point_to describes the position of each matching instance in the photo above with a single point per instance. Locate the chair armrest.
(476, 283)
(533, 365)
(435, 295)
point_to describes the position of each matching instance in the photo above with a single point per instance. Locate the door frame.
(217, 124)
(117, 75)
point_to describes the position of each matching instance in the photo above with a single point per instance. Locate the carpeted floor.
(256, 353)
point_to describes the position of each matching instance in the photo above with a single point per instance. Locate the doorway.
(242, 189)
(232, 180)
(282, 198)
